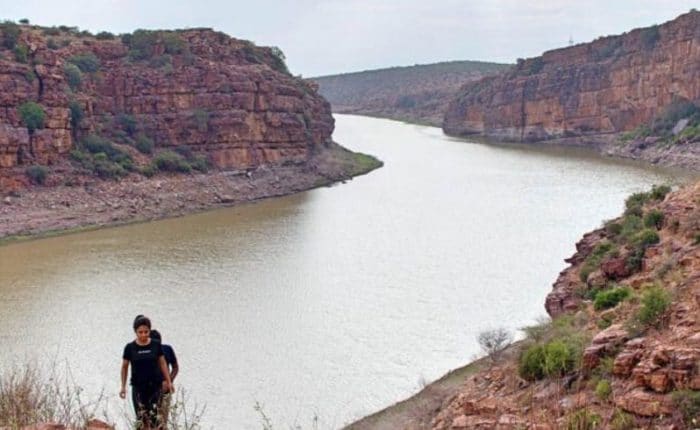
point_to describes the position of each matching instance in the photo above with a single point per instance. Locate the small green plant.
(553, 359)
(650, 36)
(21, 53)
(37, 174)
(621, 420)
(104, 35)
(607, 299)
(201, 118)
(583, 420)
(102, 157)
(73, 76)
(144, 144)
(76, 114)
(655, 302)
(658, 192)
(128, 123)
(32, 115)
(603, 389)
(645, 238)
(51, 44)
(654, 219)
(631, 224)
(594, 259)
(635, 201)
(688, 403)
(531, 363)
(87, 63)
(169, 161)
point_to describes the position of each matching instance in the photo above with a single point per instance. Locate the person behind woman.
(171, 361)
(149, 373)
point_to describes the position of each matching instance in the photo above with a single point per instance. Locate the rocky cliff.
(417, 93)
(210, 95)
(611, 85)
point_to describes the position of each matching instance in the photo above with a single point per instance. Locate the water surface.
(335, 302)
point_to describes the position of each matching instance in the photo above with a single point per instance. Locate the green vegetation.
(655, 303)
(102, 157)
(127, 123)
(144, 144)
(51, 44)
(169, 161)
(654, 219)
(21, 53)
(583, 420)
(555, 349)
(688, 403)
(645, 238)
(76, 114)
(621, 420)
(610, 49)
(104, 35)
(142, 44)
(603, 389)
(32, 116)
(73, 76)
(87, 63)
(279, 60)
(37, 174)
(10, 34)
(607, 299)
(593, 260)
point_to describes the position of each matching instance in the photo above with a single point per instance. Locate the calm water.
(336, 302)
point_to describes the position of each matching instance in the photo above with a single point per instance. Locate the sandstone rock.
(615, 268)
(644, 403)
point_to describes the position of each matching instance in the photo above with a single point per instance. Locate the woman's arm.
(164, 370)
(174, 371)
(125, 369)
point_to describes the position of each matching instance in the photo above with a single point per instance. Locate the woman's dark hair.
(141, 320)
(155, 335)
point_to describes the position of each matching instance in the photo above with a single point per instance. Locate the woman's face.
(142, 333)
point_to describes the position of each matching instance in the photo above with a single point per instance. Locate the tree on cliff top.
(32, 115)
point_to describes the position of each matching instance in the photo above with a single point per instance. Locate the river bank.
(47, 211)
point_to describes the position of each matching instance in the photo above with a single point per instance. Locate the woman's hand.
(165, 387)
(122, 393)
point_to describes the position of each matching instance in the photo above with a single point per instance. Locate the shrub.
(688, 403)
(32, 115)
(658, 192)
(621, 420)
(531, 363)
(21, 53)
(645, 238)
(634, 259)
(161, 61)
(594, 258)
(559, 358)
(73, 76)
(87, 63)
(24, 21)
(654, 219)
(636, 200)
(128, 123)
(37, 174)
(583, 420)
(10, 34)
(102, 157)
(51, 31)
(655, 302)
(169, 161)
(200, 163)
(51, 44)
(610, 298)
(105, 35)
(144, 144)
(603, 389)
(172, 42)
(613, 228)
(631, 224)
(279, 60)
(76, 113)
(494, 341)
(677, 110)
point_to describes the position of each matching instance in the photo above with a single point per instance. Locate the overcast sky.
(322, 37)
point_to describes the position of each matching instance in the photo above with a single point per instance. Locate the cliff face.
(610, 85)
(415, 93)
(223, 99)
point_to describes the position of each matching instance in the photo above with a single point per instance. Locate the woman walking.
(149, 374)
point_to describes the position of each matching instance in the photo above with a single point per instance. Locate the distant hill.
(417, 93)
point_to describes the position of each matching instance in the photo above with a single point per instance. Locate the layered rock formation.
(610, 85)
(415, 93)
(225, 99)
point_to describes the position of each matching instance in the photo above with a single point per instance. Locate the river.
(332, 303)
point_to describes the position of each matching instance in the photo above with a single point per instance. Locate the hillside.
(417, 93)
(642, 82)
(89, 119)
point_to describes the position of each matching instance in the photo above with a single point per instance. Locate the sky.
(321, 37)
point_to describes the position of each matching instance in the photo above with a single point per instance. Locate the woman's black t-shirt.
(144, 362)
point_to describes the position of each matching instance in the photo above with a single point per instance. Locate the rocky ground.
(94, 203)
(608, 361)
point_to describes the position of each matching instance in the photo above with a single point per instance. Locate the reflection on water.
(332, 302)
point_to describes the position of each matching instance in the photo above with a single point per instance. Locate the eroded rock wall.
(610, 85)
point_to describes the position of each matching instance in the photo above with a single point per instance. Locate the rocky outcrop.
(417, 93)
(612, 84)
(222, 98)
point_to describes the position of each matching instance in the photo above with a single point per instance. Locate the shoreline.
(45, 212)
